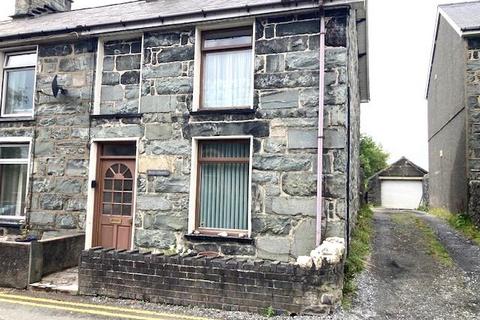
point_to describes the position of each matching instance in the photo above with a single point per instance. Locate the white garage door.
(401, 194)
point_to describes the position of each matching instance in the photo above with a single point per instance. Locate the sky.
(400, 43)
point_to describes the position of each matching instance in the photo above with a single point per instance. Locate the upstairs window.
(18, 84)
(227, 71)
(13, 178)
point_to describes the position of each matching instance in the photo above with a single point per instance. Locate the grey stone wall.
(283, 124)
(374, 191)
(61, 136)
(473, 125)
(355, 181)
(120, 88)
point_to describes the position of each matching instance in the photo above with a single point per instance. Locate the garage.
(399, 186)
(401, 194)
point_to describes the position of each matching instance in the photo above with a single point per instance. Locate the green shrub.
(360, 248)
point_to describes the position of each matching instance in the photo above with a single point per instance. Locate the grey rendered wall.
(446, 122)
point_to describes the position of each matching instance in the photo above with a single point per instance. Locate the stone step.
(48, 287)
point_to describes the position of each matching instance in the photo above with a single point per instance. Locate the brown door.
(114, 200)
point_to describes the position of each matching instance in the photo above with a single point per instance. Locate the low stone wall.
(61, 253)
(20, 264)
(213, 282)
(23, 263)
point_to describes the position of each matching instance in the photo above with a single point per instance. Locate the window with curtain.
(227, 72)
(13, 178)
(222, 197)
(18, 84)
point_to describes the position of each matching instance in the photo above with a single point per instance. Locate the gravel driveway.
(404, 281)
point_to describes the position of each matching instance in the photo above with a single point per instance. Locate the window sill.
(16, 119)
(223, 111)
(12, 222)
(116, 116)
(216, 238)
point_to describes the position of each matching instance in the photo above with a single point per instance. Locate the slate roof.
(401, 168)
(465, 15)
(123, 12)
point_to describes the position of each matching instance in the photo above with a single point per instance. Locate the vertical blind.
(223, 190)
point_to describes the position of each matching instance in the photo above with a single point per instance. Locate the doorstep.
(65, 281)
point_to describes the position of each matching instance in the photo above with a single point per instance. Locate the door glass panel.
(127, 210)
(107, 209)
(107, 197)
(108, 184)
(117, 185)
(118, 202)
(110, 173)
(117, 197)
(119, 149)
(128, 185)
(117, 209)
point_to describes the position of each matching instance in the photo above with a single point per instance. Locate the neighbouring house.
(399, 186)
(454, 110)
(185, 126)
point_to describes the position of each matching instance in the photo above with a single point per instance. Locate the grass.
(360, 248)
(460, 222)
(435, 248)
(269, 312)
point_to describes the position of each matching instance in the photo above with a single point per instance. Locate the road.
(25, 307)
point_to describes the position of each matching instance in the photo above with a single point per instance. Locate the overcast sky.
(401, 35)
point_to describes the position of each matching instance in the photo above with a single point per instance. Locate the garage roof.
(402, 168)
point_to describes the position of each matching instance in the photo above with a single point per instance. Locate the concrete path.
(65, 281)
(405, 281)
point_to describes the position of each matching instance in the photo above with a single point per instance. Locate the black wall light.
(57, 88)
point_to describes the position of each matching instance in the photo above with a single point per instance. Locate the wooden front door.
(114, 201)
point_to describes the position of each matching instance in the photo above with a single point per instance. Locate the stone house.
(454, 110)
(160, 125)
(399, 186)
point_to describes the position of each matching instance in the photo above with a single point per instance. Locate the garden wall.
(212, 282)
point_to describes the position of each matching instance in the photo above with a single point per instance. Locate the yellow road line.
(65, 305)
(86, 311)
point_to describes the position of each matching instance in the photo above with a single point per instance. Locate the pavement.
(64, 281)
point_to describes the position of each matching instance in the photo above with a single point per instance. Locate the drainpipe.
(321, 102)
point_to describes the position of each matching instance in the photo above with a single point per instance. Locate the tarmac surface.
(403, 280)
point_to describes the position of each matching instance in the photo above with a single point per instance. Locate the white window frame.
(4, 69)
(25, 141)
(198, 74)
(194, 180)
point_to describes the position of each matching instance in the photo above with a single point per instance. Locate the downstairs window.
(223, 186)
(13, 178)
